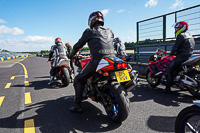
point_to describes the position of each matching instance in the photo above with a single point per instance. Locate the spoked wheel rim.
(152, 79)
(191, 123)
(112, 108)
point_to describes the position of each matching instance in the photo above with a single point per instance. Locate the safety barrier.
(13, 57)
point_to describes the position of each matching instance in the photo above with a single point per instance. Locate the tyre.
(151, 79)
(188, 120)
(118, 107)
(194, 92)
(66, 77)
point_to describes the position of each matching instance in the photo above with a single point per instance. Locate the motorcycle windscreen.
(122, 76)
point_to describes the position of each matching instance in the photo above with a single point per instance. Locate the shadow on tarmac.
(144, 92)
(53, 116)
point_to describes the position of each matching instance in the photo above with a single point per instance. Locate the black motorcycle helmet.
(117, 40)
(95, 18)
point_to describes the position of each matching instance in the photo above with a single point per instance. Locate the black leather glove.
(172, 53)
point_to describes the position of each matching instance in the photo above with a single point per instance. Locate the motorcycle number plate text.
(122, 76)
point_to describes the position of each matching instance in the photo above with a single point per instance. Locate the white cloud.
(151, 3)
(177, 4)
(130, 38)
(11, 31)
(31, 40)
(2, 36)
(29, 43)
(120, 11)
(105, 11)
(2, 21)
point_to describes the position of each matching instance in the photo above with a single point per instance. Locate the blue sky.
(32, 25)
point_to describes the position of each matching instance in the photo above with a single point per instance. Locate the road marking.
(28, 98)
(23, 59)
(29, 126)
(25, 71)
(141, 76)
(7, 85)
(1, 100)
(26, 83)
(13, 77)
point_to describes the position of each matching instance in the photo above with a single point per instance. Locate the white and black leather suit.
(183, 49)
(120, 49)
(59, 52)
(100, 42)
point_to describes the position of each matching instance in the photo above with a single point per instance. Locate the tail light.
(119, 65)
(123, 65)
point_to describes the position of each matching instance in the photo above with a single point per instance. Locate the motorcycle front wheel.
(188, 120)
(151, 79)
(66, 77)
(118, 107)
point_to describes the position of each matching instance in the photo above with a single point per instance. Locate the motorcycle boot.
(78, 97)
(51, 82)
(77, 107)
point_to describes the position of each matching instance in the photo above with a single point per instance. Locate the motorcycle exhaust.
(133, 82)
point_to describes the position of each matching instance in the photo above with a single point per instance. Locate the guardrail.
(143, 52)
(13, 57)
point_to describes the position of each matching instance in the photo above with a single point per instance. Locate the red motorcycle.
(107, 85)
(63, 71)
(186, 76)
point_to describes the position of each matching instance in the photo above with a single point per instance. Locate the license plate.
(122, 76)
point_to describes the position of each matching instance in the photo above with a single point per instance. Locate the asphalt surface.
(47, 110)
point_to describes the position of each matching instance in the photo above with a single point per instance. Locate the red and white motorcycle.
(109, 85)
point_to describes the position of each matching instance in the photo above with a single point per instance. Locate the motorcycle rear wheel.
(66, 77)
(188, 120)
(151, 79)
(118, 107)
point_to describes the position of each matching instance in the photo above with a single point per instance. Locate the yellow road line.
(29, 126)
(13, 77)
(28, 98)
(141, 76)
(26, 83)
(7, 85)
(1, 100)
(23, 59)
(25, 71)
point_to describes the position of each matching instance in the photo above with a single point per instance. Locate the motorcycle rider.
(120, 48)
(183, 49)
(59, 53)
(100, 42)
(69, 50)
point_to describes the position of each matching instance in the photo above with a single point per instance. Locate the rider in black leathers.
(183, 49)
(100, 42)
(69, 50)
(59, 52)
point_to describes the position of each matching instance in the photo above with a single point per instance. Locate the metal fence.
(143, 52)
(160, 28)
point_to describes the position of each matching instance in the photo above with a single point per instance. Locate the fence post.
(138, 58)
(137, 25)
(164, 27)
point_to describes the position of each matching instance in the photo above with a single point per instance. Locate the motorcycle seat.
(195, 60)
